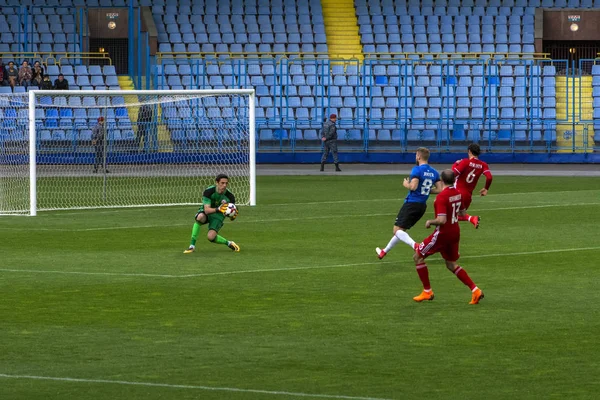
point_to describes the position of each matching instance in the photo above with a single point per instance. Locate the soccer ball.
(231, 210)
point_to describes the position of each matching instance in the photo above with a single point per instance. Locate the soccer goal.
(62, 150)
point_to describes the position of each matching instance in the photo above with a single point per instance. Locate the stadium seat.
(436, 26)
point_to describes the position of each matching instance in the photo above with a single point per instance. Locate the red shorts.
(465, 200)
(436, 243)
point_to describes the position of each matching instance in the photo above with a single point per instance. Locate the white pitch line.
(113, 210)
(284, 269)
(248, 221)
(537, 206)
(312, 203)
(526, 253)
(253, 271)
(547, 192)
(38, 271)
(401, 198)
(195, 387)
(44, 271)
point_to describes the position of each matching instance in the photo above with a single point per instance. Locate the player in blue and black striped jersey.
(423, 181)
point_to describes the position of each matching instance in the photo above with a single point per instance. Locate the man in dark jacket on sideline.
(329, 138)
(144, 120)
(98, 138)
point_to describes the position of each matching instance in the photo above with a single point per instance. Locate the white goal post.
(124, 148)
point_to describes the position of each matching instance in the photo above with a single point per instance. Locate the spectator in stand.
(37, 80)
(37, 75)
(25, 74)
(3, 80)
(46, 83)
(61, 83)
(38, 64)
(12, 74)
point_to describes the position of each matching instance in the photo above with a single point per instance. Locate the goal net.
(64, 150)
(14, 154)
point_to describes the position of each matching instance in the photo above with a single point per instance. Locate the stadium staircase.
(581, 89)
(341, 27)
(164, 136)
(126, 82)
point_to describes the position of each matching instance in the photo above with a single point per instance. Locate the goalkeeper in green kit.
(214, 204)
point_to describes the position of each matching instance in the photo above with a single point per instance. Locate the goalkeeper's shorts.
(215, 221)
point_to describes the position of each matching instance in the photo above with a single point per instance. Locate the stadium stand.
(451, 26)
(435, 71)
(421, 96)
(238, 26)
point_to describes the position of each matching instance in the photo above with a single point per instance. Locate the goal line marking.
(253, 271)
(194, 387)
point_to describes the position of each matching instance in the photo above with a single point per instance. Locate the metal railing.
(508, 109)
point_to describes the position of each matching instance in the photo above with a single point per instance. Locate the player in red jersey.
(445, 240)
(468, 171)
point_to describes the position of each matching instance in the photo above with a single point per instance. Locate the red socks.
(459, 272)
(469, 218)
(424, 276)
(463, 276)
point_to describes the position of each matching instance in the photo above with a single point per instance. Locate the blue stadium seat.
(353, 134)
(550, 135)
(549, 81)
(549, 70)
(549, 113)
(310, 134)
(97, 81)
(109, 70)
(382, 134)
(45, 135)
(58, 135)
(266, 134)
(413, 135)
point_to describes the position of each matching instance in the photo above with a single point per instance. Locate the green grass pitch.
(106, 302)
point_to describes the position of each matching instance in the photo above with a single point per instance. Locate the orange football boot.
(476, 296)
(424, 296)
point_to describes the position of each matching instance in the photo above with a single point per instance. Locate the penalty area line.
(254, 271)
(120, 209)
(192, 387)
(117, 209)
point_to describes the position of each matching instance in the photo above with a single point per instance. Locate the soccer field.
(104, 305)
